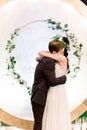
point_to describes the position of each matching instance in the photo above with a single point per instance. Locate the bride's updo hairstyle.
(65, 39)
(56, 45)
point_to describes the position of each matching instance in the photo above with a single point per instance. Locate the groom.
(43, 78)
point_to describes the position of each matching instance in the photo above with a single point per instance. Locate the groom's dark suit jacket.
(44, 78)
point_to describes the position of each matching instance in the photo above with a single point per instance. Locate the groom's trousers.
(38, 111)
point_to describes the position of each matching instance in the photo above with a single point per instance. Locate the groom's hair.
(56, 45)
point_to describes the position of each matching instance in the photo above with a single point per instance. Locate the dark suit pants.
(38, 111)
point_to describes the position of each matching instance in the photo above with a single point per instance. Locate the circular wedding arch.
(55, 30)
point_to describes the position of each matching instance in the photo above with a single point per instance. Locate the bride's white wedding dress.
(56, 115)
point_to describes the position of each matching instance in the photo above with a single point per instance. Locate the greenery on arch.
(10, 46)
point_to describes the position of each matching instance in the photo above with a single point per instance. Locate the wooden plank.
(28, 124)
(15, 121)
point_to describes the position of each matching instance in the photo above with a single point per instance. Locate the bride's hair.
(65, 39)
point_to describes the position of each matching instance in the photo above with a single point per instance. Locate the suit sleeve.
(49, 73)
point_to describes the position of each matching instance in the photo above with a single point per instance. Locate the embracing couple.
(49, 99)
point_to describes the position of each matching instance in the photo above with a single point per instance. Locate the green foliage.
(77, 46)
(83, 116)
(10, 46)
(11, 61)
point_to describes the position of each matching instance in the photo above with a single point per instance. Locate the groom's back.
(41, 84)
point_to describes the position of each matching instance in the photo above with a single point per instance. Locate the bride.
(56, 114)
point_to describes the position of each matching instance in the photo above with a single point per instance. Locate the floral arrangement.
(10, 46)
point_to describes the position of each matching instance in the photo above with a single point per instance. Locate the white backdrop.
(13, 98)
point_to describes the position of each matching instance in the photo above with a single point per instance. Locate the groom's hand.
(63, 79)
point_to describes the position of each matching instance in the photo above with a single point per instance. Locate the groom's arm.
(49, 72)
